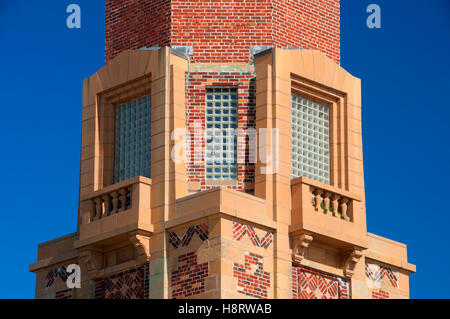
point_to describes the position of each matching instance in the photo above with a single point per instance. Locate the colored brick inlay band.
(189, 279)
(252, 281)
(202, 230)
(240, 230)
(54, 273)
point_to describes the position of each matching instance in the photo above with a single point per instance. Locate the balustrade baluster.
(335, 204)
(107, 201)
(326, 201)
(344, 208)
(98, 208)
(318, 198)
(91, 210)
(123, 199)
(129, 198)
(115, 202)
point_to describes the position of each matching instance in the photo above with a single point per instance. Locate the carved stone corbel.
(94, 261)
(141, 245)
(350, 262)
(301, 243)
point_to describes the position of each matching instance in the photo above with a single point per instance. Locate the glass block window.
(310, 139)
(221, 140)
(132, 139)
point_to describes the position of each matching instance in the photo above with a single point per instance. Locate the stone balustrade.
(114, 199)
(326, 213)
(309, 196)
(330, 203)
(118, 210)
(110, 203)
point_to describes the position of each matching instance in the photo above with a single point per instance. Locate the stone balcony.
(116, 213)
(328, 215)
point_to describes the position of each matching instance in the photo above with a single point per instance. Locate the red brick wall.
(133, 24)
(223, 31)
(195, 111)
(252, 280)
(189, 279)
(310, 24)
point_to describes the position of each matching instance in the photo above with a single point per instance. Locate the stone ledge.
(411, 268)
(52, 261)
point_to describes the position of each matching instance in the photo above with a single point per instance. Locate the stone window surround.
(336, 101)
(132, 138)
(106, 103)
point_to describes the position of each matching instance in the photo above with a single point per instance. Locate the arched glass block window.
(132, 139)
(310, 139)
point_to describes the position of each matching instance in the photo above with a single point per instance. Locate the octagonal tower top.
(222, 31)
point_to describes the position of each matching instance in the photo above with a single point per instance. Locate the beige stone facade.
(272, 242)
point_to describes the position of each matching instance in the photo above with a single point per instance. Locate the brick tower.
(222, 157)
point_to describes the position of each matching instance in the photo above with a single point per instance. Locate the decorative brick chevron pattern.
(54, 273)
(376, 273)
(130, 284)
(380, 294)
(202, 230)
(189, 279)
(64, 294)
(239, 230)
(253, 281)
(313, 284)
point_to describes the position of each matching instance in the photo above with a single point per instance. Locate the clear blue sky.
(405, 72)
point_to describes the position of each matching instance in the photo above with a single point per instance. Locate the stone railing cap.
(325, 187)
(110, 188)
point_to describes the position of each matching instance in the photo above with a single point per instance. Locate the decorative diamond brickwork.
(130, 284)
(313, 284)
(189, 279)
(239, 230)
(202, 230)
(252, 280)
